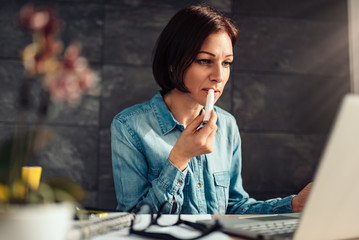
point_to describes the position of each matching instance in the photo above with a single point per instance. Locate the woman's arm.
(130, 171)
(239, 200)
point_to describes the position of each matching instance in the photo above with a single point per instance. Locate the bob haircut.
(180, 42)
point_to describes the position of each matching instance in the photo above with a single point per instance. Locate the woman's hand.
(193, 142)
(298, 201)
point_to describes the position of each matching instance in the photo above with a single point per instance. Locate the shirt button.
(199, 185)
(179, 183)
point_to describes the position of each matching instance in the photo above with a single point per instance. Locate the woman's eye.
(204, 61)
(227, 64)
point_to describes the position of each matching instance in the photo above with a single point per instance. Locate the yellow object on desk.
(97, 213)
(88, 214)
(31, 175)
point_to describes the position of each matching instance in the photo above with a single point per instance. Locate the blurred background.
(290, 73)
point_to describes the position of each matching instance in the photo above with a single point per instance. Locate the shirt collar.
(164, 116)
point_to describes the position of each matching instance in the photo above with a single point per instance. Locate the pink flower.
(72, 79)
(62, 86)
(41, 19)
(66, 79)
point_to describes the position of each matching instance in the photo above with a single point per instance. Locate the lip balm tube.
(209, 105)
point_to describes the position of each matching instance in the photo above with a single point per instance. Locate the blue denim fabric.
(142, 138)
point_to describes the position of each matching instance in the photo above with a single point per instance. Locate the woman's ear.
(171, 68)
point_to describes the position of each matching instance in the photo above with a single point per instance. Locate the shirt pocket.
(221, 181)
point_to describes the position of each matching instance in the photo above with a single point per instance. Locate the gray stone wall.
(291, 70)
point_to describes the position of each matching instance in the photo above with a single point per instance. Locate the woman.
(161, 150)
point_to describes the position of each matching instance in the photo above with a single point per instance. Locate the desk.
(122, 234)
(229, 216)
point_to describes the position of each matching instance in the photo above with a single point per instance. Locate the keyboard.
(271, 227)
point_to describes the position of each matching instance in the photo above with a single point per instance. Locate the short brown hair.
(181, 40)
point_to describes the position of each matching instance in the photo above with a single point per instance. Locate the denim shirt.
(142, 138)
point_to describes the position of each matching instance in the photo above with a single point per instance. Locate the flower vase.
(36, 221)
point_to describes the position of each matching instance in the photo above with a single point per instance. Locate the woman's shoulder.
(227, 123)
(133, 112)
(224, 115)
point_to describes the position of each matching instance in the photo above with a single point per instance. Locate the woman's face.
(211, 68)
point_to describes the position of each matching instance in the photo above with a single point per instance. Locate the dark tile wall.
(291, 70)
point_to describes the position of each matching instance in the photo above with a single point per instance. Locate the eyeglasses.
(145, 217)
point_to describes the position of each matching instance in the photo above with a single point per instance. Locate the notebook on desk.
(332, 208)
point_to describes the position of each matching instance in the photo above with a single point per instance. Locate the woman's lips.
(215, 90)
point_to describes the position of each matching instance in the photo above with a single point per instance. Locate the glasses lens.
(167, 220)
(143, 218)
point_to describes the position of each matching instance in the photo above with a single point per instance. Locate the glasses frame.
(204, 229)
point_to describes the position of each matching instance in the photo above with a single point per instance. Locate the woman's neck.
(182, 107)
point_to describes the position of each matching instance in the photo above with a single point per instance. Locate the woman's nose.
(217, 73)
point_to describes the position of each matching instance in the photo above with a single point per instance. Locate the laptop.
(332, 207)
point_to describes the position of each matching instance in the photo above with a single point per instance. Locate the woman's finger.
(192, 127)
(212, 122)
